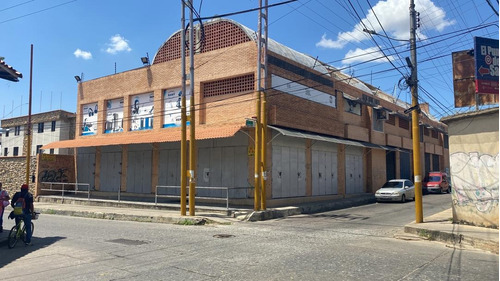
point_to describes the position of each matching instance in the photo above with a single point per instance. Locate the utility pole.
(192, 120)
(262, 86)
(28, 152)
(414, 116)
(183, 113)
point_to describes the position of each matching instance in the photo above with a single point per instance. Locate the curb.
(454, 238)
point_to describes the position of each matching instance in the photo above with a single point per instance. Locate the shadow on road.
(20, 250)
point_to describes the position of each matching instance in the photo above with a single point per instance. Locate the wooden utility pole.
(415, 117)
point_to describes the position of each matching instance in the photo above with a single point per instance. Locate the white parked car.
(396, 190)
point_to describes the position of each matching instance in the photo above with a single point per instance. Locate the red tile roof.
(164, 135)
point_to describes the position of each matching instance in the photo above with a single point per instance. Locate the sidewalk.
(438, 227)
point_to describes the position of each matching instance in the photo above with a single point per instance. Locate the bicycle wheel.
(12, 237)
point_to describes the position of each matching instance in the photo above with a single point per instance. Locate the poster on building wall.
(302, 91)
(172, 100)
(89, 117)
(114, 116)
(142, 111)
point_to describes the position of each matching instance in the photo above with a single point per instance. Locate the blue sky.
(72, 37)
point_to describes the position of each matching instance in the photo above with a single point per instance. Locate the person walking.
(24, 199)
(4, 202)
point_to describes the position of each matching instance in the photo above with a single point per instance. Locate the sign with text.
(486, 68)
(464, 88)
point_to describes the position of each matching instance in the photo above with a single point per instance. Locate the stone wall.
(13, 173)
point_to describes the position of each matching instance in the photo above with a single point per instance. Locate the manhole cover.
(223, 236)
(128, 242)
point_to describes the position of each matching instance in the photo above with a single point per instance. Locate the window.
(434, 134)
(38, 148)
(445, 141)
(40, 127)
(426, 131)
(53, 126)
(240, 84)
(16, 151)
(5, 151)
(17, 130)
(378, 119)
(352, 106)
(51, 151)
(391, 120)
(7, 132)
(404, 123)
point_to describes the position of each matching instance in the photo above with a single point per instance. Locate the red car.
(437, 182)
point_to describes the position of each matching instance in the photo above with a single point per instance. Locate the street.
(350, 244)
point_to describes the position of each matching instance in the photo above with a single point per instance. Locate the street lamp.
(373, 32)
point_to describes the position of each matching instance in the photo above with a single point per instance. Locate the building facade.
(474, 166)
(330, 136)
(46, 127)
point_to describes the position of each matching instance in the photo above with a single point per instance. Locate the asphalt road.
(351, 244)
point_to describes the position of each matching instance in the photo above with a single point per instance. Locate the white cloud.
(361, 55)
(82, 54)
(117, 44)
(394, 16)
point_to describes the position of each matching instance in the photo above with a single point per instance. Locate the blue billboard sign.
(486, 59)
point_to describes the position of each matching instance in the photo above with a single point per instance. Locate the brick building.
(330, 135)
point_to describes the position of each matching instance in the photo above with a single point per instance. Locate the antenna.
(115, 67)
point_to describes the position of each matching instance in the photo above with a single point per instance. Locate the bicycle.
(18, 231)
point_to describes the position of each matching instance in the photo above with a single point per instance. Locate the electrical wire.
(39, 11)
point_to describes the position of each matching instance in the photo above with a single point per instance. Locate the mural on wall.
(172, 100)
(89, 117)
(475, 180)
(142, 111)
(114, 116)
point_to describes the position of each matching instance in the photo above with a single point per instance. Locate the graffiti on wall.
(475, 180)
(58, 175)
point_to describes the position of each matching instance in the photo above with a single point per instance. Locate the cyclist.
(25, 199)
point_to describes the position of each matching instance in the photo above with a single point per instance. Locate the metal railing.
(227, 189)
(62, 189)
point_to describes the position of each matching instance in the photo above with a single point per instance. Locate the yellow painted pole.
(183, 117)
(264, 153)
(414, 114)
(416, 164)
(257, 154)
(192, 119)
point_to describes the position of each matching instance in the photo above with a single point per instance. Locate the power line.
(242, 12)
(49, 8)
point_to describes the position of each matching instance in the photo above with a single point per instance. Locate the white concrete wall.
(474, 169)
